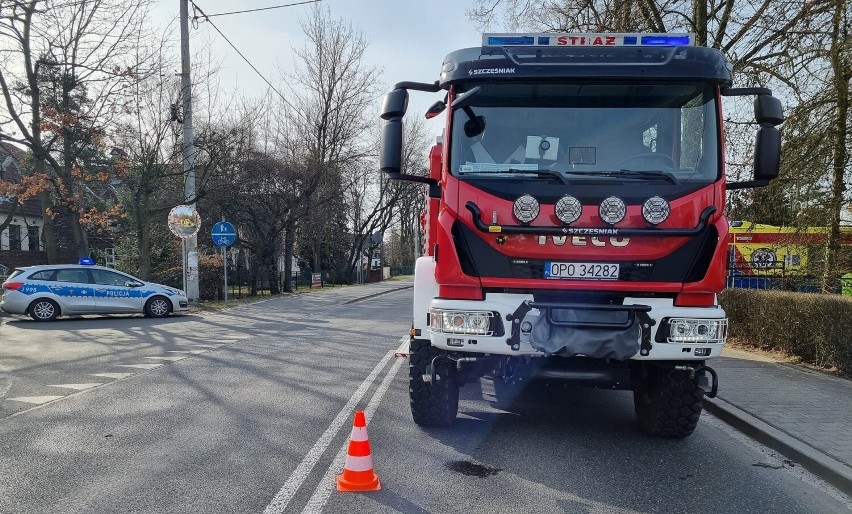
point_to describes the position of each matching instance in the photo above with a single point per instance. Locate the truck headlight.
(692, 330)
(461, 322)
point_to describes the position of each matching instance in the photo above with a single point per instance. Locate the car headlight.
(461, 322)
(691, 330)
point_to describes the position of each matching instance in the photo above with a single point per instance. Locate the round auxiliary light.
(612, 210)
(656, 210)
(526, 208)
(568, 209)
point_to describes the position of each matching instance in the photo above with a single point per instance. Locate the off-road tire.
(668, 403)
(43, 309)
(432, 404)
(158, 307)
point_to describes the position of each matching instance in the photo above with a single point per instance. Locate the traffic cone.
(358, 474)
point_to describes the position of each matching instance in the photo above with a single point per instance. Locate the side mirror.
(767, 153)
(768, 110)
(395, 104)
(390, 157)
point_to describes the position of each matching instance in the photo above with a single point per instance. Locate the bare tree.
(63, 80)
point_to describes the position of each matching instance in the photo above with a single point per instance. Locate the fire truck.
(574, 219)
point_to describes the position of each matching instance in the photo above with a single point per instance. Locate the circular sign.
(223, 234)
(184, 221)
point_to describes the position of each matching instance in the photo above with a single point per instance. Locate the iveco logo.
(585, 241)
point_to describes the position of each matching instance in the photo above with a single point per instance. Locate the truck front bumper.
(640, 328)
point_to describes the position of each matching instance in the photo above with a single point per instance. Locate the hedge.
(817, 328)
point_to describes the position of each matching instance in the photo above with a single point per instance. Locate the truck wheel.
(667, 402)
(432, 404)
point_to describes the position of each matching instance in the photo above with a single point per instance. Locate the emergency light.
(87, 261)
(587, 39)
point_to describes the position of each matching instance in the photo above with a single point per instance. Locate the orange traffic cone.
(358, 474)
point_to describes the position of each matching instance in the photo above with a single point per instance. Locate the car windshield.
(660, 132)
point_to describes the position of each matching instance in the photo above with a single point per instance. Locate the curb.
(825, 467)
(373, 295)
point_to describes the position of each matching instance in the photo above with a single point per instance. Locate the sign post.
(224, 235)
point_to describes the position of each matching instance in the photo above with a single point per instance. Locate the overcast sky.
(408, 38)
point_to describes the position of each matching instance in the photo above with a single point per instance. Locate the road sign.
(224, 234)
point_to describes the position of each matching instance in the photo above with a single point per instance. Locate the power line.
(259, 74)
(263, 8)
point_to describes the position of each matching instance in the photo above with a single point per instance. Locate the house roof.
(12, 165)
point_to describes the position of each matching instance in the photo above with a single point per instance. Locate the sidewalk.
(804, 415)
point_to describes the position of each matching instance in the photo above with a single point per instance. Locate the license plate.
(581, 270)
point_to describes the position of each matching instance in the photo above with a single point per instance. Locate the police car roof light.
(87, 261)
(587, 39)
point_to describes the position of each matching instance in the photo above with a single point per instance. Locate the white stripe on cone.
(359, 463)
(358, 434)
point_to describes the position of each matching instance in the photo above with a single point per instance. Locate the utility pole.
(192, 292)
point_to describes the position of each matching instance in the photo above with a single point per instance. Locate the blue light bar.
(666, 40)
(87, 261)
(511, 40)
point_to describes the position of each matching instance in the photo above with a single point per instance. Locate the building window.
(14, 237)
(33, 239)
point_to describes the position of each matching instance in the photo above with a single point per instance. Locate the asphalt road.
(251, 408)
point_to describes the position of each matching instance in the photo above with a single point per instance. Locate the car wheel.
(158, 307)
(44, 309)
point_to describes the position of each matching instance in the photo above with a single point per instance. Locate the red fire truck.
(574, 219)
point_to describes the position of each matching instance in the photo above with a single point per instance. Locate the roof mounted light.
(588, 39)
(86, 261)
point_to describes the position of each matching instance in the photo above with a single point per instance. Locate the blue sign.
(223, 234)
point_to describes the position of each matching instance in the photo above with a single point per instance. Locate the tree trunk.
(48, 231)
(143, 249)
(842, 74)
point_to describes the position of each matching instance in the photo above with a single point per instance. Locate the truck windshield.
(643, 131)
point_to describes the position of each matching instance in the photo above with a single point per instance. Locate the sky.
(407, 38)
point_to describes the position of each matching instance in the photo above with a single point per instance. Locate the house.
(22, 224)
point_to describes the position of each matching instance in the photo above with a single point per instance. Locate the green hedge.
(816, 328)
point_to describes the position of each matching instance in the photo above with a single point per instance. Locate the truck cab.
(574, 222)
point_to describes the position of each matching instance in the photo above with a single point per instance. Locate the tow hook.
(714, 382)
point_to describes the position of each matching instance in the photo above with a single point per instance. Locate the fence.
(774, 276)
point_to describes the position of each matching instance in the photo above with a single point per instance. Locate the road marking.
(207, 345)
(78, 387)
(327, 484)
(140, 366)
(38, 400)
(191, 352)
(4, 373)
(170, 359)
(111, 375)
(280, 501)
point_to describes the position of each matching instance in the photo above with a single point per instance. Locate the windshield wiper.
(665, 175)
(542, 173)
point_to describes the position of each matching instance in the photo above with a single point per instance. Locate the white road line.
(38, 400)
(77, 387)
(191, 352)
(140, 366)
(280, 501)
(111, 375)
(171, 359)
(327, 484)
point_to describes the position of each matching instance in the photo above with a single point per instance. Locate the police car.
(48, 291)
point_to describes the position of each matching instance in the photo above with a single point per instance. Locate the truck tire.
(668, 403)
(432, 404)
